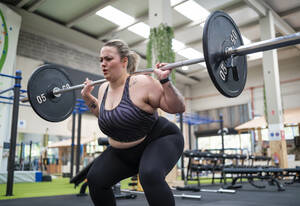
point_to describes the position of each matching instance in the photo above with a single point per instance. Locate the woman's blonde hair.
(124, 51)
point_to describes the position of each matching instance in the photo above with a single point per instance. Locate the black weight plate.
(221, 32)
(48, 107)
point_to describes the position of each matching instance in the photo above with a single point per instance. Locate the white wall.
(205, 95)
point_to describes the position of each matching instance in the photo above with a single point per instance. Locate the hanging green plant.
(159, 47)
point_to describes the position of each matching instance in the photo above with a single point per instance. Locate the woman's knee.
(97, 179)
(91, 178)
(151, 176)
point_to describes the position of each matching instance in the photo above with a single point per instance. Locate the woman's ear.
(125, 60)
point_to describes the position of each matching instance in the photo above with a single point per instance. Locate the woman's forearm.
(92, 104)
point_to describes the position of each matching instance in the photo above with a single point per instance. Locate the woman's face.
(111, 63)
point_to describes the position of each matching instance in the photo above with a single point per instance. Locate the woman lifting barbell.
(141, 142)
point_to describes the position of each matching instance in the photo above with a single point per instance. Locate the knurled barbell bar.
(52, 97)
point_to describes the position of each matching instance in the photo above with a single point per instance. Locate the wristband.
(163, 81)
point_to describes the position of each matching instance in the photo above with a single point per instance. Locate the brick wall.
(51, 51)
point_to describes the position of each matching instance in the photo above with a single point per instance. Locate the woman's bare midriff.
(124, 145)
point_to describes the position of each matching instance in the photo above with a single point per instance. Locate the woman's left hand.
(161, 74)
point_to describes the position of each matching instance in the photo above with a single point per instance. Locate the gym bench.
(270, 174)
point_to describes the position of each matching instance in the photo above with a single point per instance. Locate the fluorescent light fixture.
(115, 15)
(184, 68)
(141, 29)
(174, 2)
(177, 45)
(192, 10)
(190, 53)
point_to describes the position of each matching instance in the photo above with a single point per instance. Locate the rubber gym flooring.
(246, 196)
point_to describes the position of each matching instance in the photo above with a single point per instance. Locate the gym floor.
(246, 196)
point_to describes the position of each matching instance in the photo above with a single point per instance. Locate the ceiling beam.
(35, 5)
(230, 6)
(257, 7)
(289, 13)
(32, 22)
(88, 12)
(22, 3)
(137, 43)
(262, 8)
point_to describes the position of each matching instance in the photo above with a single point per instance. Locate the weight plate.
(220, 32)
(43, 80)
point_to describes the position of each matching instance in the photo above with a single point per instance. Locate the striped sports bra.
(126, 122)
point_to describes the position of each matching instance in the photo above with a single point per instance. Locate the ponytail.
(133, 62)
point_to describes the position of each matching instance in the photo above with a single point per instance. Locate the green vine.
(159, 47)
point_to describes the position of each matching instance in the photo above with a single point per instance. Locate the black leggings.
(153, 159)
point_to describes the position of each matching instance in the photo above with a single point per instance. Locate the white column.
(273, 96)
(159, 12)
(188, 109)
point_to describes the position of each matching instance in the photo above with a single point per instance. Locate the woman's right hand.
(87, 89)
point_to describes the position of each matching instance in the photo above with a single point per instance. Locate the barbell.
(52, 96)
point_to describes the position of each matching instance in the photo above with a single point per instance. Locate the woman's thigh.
(162, 154)
(108, 169)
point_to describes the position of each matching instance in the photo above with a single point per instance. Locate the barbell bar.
(224, 55)
(265, 45)
(183, 196)
(58, 91)
(142, 71)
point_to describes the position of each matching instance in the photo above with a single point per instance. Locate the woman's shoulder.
(147, 82)
(142, 79)
(102, 88)
(104, 85)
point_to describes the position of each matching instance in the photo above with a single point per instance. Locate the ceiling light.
(184, 68)
(174, 2)
(141, 29)
(115, 15)
(192, 10)
(177, 45)
(190, 53)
